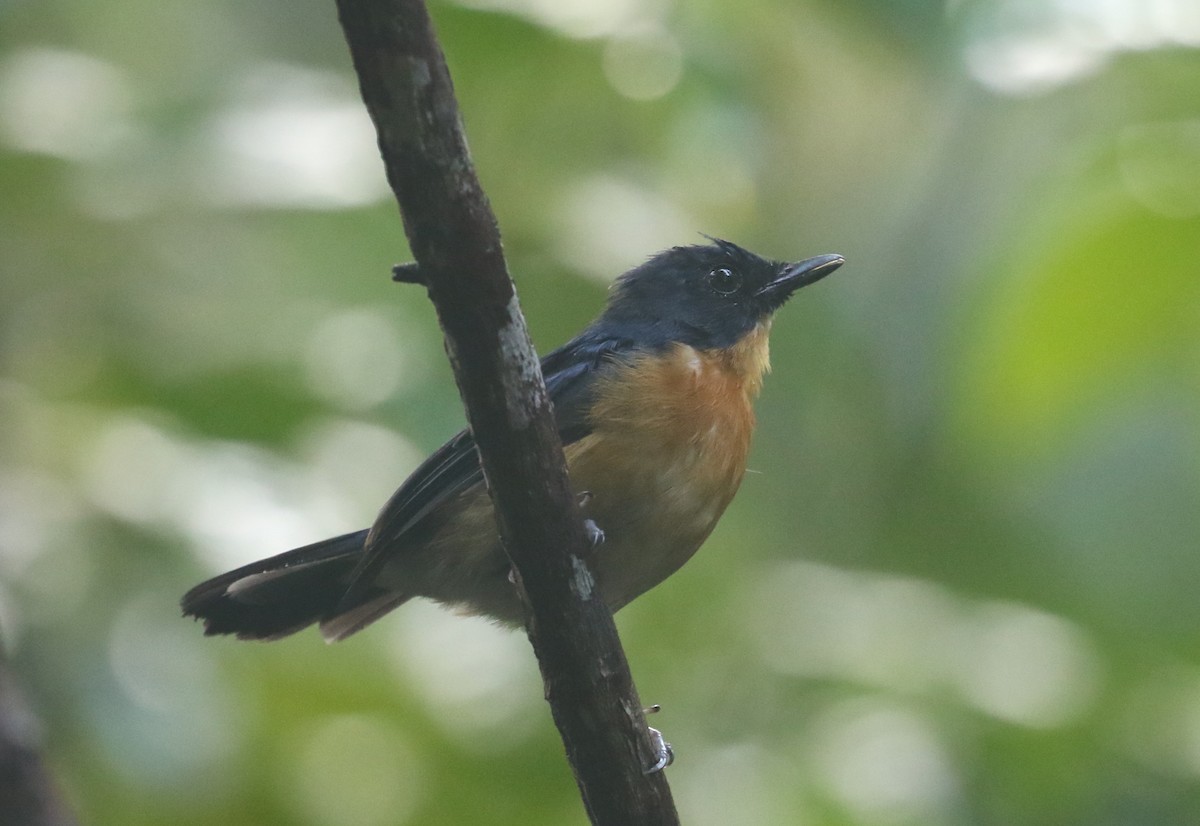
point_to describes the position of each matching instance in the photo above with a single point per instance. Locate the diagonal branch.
(453, 235)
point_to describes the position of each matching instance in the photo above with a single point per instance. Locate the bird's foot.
(594, 534)
(664, 754)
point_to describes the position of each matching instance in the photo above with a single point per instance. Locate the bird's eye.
(724, 280)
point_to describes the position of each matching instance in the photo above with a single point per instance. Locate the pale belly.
(656, 504)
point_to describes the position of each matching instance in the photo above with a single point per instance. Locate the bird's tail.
(274, 597)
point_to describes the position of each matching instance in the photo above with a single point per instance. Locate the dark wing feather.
(569, 374)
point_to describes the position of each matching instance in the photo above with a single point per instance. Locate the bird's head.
(707, 295)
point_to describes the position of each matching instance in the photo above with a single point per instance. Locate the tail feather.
(274, 597)
(365, 611)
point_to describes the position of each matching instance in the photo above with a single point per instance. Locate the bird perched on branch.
(653, 402)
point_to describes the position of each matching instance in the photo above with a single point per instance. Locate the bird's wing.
(569, 373)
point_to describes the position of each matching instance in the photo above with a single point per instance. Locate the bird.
(654, 405)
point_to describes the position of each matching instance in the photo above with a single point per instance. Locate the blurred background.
(960, 584)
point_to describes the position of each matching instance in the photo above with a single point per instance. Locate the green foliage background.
(960, 586)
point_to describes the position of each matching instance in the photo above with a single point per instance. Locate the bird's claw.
(662, 749)
(594, 534)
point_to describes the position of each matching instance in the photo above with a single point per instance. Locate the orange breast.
(668, 447)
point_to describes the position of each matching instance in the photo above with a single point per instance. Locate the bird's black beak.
(794, 276)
